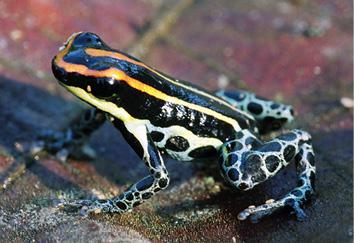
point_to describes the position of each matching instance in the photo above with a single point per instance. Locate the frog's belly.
(182, 144)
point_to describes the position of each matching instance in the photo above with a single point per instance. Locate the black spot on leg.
(272, 163)
(252, 141)
(156, 136)
(259, 176)
(129, 197)
(312, 179)
(289, 152)
(296, 193)
(231, 160)
(146, 195)
(177, 143)
(239, 135)
(145, 183)
(163, 182)
(270, 147)
(242, 186)
(255, 108)
(238, 96)
(121, 205)
(290, 202)
(136, 203)
(311, 158)
(274, 106)
(251, 165)
(233, 174)
(287, 137)
(203, 152)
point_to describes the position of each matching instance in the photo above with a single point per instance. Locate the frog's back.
(147, 94)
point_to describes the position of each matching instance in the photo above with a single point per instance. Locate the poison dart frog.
(159, 114)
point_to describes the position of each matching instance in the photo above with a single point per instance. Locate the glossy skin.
(157, 113)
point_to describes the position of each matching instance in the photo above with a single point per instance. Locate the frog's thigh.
(262, 109)
(246, 162)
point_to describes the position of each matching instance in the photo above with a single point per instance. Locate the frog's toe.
(259, 212)
(270, 207)
(87, 207)
(84, 152)
(62, 155)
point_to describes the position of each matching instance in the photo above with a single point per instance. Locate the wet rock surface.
(297, 52)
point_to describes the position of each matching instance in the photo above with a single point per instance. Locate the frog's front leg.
(139, 139)
(246, 162)
(269, 114)
(71, 141)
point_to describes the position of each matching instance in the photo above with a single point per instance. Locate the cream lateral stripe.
(116, 56)
(134, 126)
(106, 106)
(117, 74)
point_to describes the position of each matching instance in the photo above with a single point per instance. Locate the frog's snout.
(58, 72)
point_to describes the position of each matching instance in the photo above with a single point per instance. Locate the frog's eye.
(103, 88)
(87, 40)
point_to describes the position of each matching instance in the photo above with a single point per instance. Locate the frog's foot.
(269, 114)
(246, 162)
(62, 144)
(72, 141)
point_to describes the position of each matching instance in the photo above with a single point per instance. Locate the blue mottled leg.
(72, 141)
(138, 138)
(246, 162)
(269, 114)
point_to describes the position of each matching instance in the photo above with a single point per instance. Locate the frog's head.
(84, 70)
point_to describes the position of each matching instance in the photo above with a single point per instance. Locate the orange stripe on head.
(103, 53)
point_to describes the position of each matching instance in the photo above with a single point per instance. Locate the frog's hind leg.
(246, 162)
(72, 141)
(269, 114)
